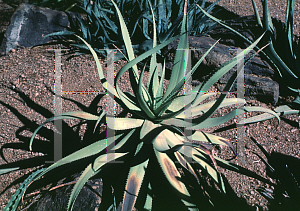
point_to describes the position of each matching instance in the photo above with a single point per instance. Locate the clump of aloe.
(101, 29)
(287, 69)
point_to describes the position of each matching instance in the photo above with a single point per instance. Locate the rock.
(248, 27)
(57, 200)
(263, 89)
(5, 14)
(29, 24)
(255, 71)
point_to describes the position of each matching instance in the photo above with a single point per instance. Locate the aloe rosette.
(156, 131)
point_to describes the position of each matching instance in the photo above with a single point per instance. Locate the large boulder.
(56, 200)
(248, 27)
(258, 75)
(29, 24)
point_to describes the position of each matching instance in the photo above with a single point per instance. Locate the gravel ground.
(277, 9)
(26, 100)
(31, 72)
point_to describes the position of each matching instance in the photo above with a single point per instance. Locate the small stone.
(294, 130)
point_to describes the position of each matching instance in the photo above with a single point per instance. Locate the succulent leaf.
(13, 203)
(133, 185)
(87, 151)
(117, 123)
(7, 170)
(67, 115)
(172, 174)
(91, 170)
(124, 140)
(160, 144)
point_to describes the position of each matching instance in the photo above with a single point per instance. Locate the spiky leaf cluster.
(101, 28)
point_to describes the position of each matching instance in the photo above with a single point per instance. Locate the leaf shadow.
(72, 141)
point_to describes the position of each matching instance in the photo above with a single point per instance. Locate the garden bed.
(26, 100)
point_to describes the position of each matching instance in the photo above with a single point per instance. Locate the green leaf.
(100, 161)
(257, 14)
(184, 163)
(17, 197)
(99, 119)
(148, 202)
(223, 24)
(203, 97)
(124, 140)
(147, 127)
(133, 184)
(154, 85)
(67, 115)
(289, 25)
(280, 111)
(181, 58)
(203, 108)
(7, 170)
(127, 40)
(210, 170)
(117, 123)
(255, 108)
(90, 171)
(141, 98)
(143, 56)
(61, 33)
(206, 137)
(267, 20)
(103, 80)
(87, 151)
(153, 56)
(283, 70)
(160, 90)
(212, 122)
(84, 177)
(228, 66)
(172, 174)
(160, 143)
(180, 101)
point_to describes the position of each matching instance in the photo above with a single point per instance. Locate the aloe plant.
(153, 142)
(101, 30)
(288, 70)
